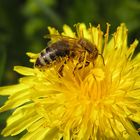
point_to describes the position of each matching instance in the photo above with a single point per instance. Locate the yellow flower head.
(95, 101)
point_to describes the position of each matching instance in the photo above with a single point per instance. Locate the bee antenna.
(102, 58)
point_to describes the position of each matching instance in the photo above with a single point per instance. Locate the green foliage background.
(23, 23)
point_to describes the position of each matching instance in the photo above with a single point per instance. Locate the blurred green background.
(23, 23)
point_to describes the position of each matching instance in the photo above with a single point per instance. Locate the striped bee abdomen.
(51, 53)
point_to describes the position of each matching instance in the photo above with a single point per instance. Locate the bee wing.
(69, 40)
(74, 46)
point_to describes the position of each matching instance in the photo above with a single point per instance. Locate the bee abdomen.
(48, 55)
(40, 62)
(51, 53)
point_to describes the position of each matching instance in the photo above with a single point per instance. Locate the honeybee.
(67, 47)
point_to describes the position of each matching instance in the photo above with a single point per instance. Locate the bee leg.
(75, 68)
(60, 71)
(78, 63)
(86, 64)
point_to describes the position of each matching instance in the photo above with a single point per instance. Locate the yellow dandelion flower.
(97, 101)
